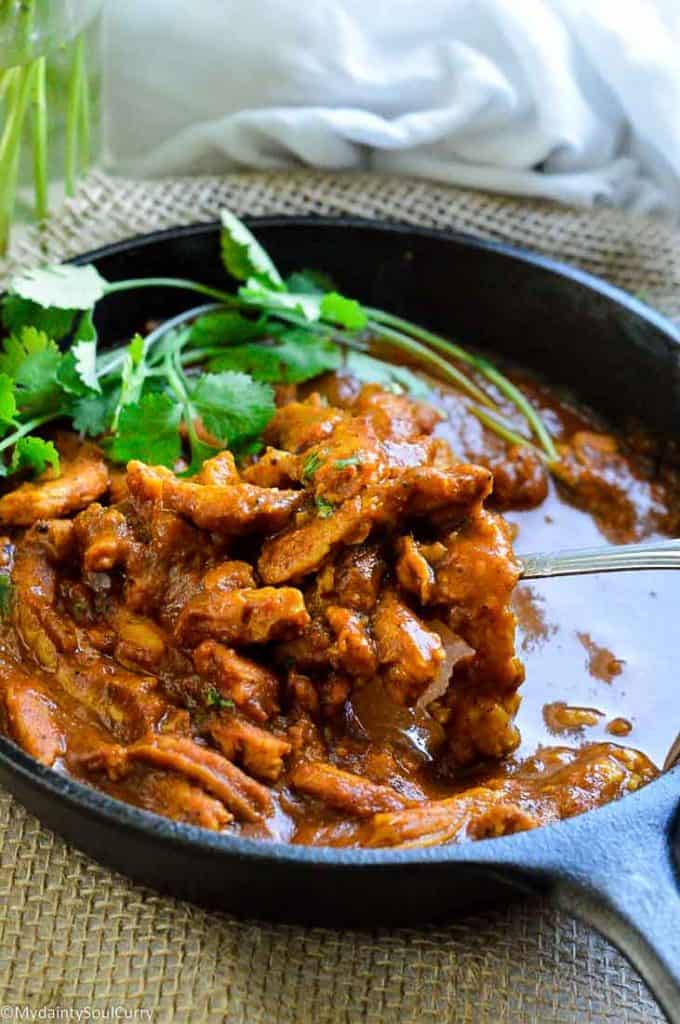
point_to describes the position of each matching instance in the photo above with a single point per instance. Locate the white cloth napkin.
(577, 100)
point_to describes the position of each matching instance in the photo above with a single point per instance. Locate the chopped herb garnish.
(310, 466)
(324, 509)
(214, 699)
(353, 460)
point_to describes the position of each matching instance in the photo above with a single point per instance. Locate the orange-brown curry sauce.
(319, 644)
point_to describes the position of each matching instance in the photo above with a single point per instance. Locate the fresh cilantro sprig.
(203, 381)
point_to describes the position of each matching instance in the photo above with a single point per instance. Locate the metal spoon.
(663, 554)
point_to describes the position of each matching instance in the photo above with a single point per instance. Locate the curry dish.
(319, 643)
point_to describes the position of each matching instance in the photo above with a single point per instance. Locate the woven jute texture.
(74, 935)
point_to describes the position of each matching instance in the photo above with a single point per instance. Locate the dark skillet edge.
(592, 281)
(615, 867)
(612, 867)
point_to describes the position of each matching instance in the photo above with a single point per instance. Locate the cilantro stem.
(480, 364)
(424, 354)
(27, 427)
(174, 282)
(507, 433)
(515, 395)
(175, 378)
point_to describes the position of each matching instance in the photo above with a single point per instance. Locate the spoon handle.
(650, 555)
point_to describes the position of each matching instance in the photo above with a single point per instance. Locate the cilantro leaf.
(77, 372)
(133, 375)
(92, 414)
(305, 355)
(148, 430)
(61, 286)
(32, 360)
(313, 305)
(18, 313)
(255, 294)
(36, 454)
(85, 329)
(232, 406)
(294, 356)
(8, 405)
(309, 282)
(243, 256)
(395, 378)
(225, 327)
(346, 312)
(261, 361)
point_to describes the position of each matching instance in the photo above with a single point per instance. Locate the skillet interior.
(554, 321)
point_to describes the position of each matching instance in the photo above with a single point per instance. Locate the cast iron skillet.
(616, 867)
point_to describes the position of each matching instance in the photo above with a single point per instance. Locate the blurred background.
(573, 100)
(564, 99)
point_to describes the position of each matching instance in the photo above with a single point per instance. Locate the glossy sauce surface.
(633, 616)
(317, 645)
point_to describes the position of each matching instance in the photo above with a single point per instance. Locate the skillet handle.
(624, 881)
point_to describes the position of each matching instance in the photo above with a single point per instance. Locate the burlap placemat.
(75, 936)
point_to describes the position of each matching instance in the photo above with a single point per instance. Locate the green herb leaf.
(77, 372)
(133, 375)
(353, 460)
(305, 355)
(214, 699)
(261, 361)
(324, 509)
(85, 329)
(310, 466)
(396, 378)
(60, 287)
(294, 356)
(8, 405)
(18, 313)
(258, 296)
(243, 256)
(92, 415)
(232, 406)
(225, 327)
(309, 282)
(346, 312)
(36, 454)
(32, 360)
(148, 430)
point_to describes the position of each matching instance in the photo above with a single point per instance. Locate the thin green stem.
(482, 366)
(532, 417)
(40, 139)
(73, 117)
(435, 340)
(504, 431)
(424, 354)
(231, 301)
(26, 428)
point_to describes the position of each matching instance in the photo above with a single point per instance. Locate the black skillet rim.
(99, 805)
